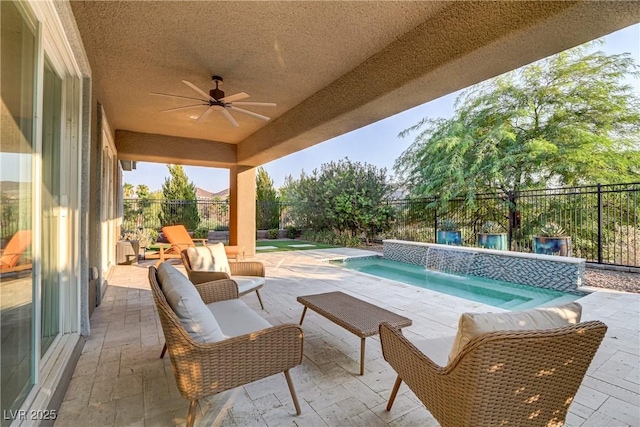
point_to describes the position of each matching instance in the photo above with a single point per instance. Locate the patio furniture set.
(520, 368)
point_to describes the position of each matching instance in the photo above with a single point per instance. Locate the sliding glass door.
(17, 159)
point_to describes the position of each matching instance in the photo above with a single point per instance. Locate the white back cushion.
(474, 324)
(186, 302)
(209, 258)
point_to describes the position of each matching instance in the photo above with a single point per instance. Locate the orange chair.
(179, 238)
(14, 252)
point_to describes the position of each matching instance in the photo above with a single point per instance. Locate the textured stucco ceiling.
(331, 67)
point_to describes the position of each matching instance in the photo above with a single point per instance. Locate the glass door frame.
(52, 42)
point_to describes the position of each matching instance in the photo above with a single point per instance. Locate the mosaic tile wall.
(560, 276)
(411, 254)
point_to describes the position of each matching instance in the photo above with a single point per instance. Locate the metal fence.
(213, 214)
(602, 220)
(149, 213)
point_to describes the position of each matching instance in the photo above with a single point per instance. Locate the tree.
(128, 191)
(147, 208)
(129, 211)
(268, 205)
(180, 205)
(566, 120)
(343, 197)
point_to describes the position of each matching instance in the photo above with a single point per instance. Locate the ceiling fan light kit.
(216, 101)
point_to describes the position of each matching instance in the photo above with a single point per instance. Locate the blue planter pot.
(493, 241)
(449, 237)
(552, 245)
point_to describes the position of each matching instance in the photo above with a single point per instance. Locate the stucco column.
(242, 208)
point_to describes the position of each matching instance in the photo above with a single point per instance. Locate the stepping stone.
(265, 248)
(304, 245)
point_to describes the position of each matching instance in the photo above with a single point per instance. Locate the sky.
(376, 144)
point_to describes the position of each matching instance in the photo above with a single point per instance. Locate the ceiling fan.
(215, 100)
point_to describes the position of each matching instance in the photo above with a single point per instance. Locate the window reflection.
(17, 50)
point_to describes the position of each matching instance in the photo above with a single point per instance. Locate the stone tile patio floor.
(120, 381)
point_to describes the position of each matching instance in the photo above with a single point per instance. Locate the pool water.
(505, 295)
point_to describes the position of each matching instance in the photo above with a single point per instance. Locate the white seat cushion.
(186, 303)
(236, 318)
(209, 258)
(474, 324)
(248, 283)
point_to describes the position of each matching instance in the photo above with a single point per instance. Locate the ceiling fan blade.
(178, 96)
(205, 114)
(229, 117)
(257, 104)
(182, 108)
(250, 113)
(234, 97)
(197, 89)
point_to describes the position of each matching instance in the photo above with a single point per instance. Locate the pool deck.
(120, 381)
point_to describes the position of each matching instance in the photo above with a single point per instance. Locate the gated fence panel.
(602, 220)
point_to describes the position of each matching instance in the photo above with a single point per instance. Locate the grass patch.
(284, 245)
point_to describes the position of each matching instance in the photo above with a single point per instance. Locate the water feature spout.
(449, 260)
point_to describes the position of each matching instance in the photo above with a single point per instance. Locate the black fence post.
(435, 223)
(513, 220)
(600, 219)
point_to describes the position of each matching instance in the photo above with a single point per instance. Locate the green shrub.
(273, 233)
(448, 225)
(152, 234)
(145, 236)
(291, 232)
(331, 238)
(201, 233)
(491, 227)
(551, 229)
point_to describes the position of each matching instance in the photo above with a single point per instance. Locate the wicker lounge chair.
(14, 253)
(204, 369)
(238, 270)
(252, 281)
(520, 378)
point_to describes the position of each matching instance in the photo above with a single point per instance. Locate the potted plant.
(552, 240)
(449, 233)
(492, 236)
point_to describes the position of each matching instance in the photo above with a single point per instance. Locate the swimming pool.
(505, 295)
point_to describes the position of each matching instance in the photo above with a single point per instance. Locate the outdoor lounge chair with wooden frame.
(14, 252)
(179, 238)
(519, 378)
(204, 369)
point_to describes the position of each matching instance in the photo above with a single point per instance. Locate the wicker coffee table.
(356, 316)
